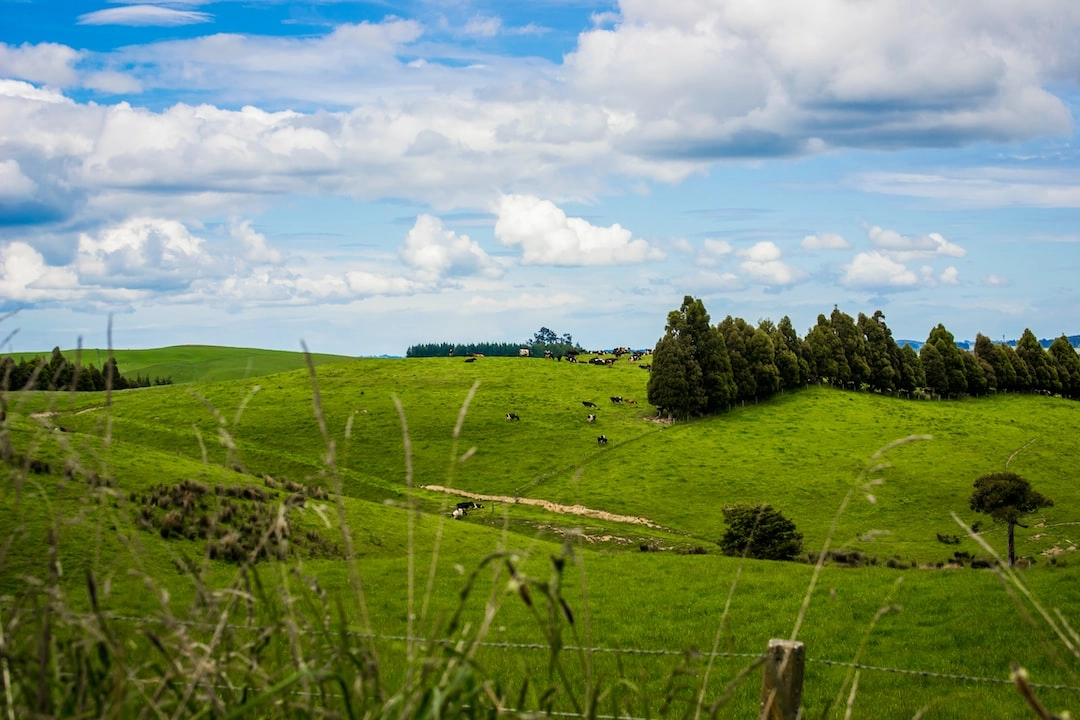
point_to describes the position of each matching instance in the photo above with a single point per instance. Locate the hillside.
(193, 363)
(628, 519)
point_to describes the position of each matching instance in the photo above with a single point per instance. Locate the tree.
(761, 532)
(1067, 363)
(1006, 497)
(1044, 375)
(675, 380)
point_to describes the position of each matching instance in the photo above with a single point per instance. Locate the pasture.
(648, 602)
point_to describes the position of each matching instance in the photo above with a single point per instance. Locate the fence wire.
(956, 677)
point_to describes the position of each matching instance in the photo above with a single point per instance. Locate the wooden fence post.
(781, 684)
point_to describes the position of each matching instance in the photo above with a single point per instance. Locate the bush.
(760, 532)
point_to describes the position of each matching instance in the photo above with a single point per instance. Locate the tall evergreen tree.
(1067, 364)
(674, 386)
(882, 352)
(828, 353)
(737, 334)
(694, 342)
(1022, 381)
(953, 360)
(854, 347)
(1044, 375)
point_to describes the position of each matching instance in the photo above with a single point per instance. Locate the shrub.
(760, 532)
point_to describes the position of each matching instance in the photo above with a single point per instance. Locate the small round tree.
(760, 532)
(1006, 497)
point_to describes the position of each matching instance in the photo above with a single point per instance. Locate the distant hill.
(1074, 340)
(195, 363)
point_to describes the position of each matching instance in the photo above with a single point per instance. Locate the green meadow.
(619, 604)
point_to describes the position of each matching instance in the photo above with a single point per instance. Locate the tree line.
(543, 340)
(59, 373)
(699, 368)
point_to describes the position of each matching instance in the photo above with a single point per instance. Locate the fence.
(783, 664)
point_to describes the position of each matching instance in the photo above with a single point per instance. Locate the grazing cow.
(468, 505)
(548, 355)
(616, 399)
(630, 401)
(512, 416)
(451, 353)
(458, 513)
(470, 359)
(586, 403)
(592, 417)
(523, 352)
(602, 440)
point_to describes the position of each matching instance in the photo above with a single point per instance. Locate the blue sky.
(364, 176)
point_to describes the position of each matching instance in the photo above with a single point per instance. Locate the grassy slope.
(801, 452)
(194, 363)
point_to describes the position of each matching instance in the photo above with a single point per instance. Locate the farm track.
(548, 505)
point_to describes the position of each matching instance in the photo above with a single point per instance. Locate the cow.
(602, 440)
(616, 399)
(458, 513)
(523, 352)
(469, 505)
(586, 403)
(512, 416)
(470, 359)
(592, 417)
(630, 401)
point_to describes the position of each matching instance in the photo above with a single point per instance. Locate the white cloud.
(435, 252)
(825, 241)
(256, 249)
(548, 237)
(717, 248)
(993, 280)
(144, 15)
(25, 277)
(876, 270)
(762, 264)
(14, 185)
(144, 253)
(47, 63)
(982, 187)
(904, 248)
(949, 276)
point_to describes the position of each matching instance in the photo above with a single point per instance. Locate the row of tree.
(544, 340)
(59, 373)
(699, 368)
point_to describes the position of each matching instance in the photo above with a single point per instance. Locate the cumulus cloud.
(762, 264)
(435, 252)
(255, 247)
(825, 241)
(794, 77)
(949, 276)
(25, 277)
(904, 248)
(47, 63)
(993, 280)
(548, 237)
(144, 253)
(14, 185)
(144, 15)
(876, 270)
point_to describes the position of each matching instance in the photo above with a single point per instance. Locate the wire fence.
(955, 677)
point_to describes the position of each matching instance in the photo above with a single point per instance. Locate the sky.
(360, 177)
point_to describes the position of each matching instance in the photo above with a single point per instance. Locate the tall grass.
(100, 619)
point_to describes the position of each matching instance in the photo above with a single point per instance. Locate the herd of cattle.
(599, 358)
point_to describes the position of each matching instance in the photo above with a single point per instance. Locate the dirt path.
(548, 505)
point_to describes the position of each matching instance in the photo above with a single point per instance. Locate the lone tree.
(1006, 497)
(760, 532)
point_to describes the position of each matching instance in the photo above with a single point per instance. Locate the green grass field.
(939, 640)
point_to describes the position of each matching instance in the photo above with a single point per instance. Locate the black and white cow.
(592, 417)
(469, 505)
(586, 403)
(602, 440)
(512, 416)
(458, 513)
